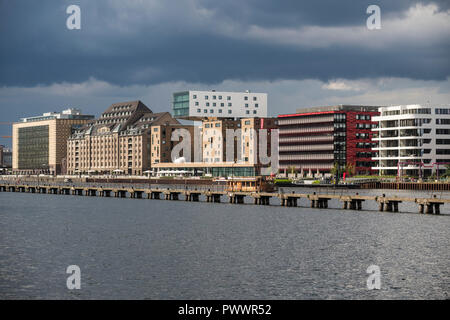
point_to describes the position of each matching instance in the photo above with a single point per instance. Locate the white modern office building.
(412, 140)
(195, 105)
(70, 113)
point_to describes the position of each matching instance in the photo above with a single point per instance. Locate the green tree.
(335, 169)
(447, 171)
(349, 169)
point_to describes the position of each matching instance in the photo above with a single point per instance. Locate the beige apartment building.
(162, 145)
(245, 134)
(40, 143)
(214, 135)
(120, 141)
(251, 144)
(214, 138)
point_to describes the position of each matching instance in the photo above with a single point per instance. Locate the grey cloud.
(152, 42)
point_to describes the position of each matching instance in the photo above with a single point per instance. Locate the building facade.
(240, 158)
(214, 143)
(120, 141)
(314, 140)
(196, 105)
(413, 140)
(162, 144)
(40, 143)
(6, 158)
(254, 130)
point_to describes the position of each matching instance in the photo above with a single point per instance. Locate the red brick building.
(314, 139)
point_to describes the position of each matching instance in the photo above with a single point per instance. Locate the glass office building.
(33, 145)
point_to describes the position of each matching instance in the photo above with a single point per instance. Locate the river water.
(156, 249)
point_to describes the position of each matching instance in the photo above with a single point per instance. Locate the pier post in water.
(437, 208)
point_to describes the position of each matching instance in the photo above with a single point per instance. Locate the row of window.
(214, 97)
(365, 125)
(366, 154)
(363, 117)
(442, 121)
(442, 141)
(217, 125)
(362, 135)
(408, 111)
(223, 104)
(442, 111)
(220, 111)
(366, 145)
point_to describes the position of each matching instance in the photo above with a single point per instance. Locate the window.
(198, 110)
(206, 97)
(207, 104)
(245, 98)
(256, 105)
(442, 121)
(229, 104)
(211, 111)
(247, 112)
(254, 111)
(246, 105)
(196, 103)
(194, 96)
(442, 151)
(206, 125)
(228, 98)
(417, 111)
(205, 111)
(229, 111)
(220, 110)
(214, 104)
(222, 104)
(442, 111)
(217, 125)
(254, 98)
(214, 97)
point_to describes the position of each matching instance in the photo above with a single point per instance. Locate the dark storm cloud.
(150, 42)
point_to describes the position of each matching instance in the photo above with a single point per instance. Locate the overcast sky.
(302, 53)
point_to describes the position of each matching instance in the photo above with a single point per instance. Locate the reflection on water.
(150, 249)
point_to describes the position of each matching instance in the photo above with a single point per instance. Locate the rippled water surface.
(151, 249)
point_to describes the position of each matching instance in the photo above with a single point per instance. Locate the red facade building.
(315, 139)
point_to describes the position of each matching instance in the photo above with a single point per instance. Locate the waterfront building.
(215, 169)
(214, 139)
(413, 140)
(6, 157)
(245, 159)
(195, 105)
(253, 131)
(162, 144)
(120, 141)
(40, 142)
(314, 140)
(246, 130)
